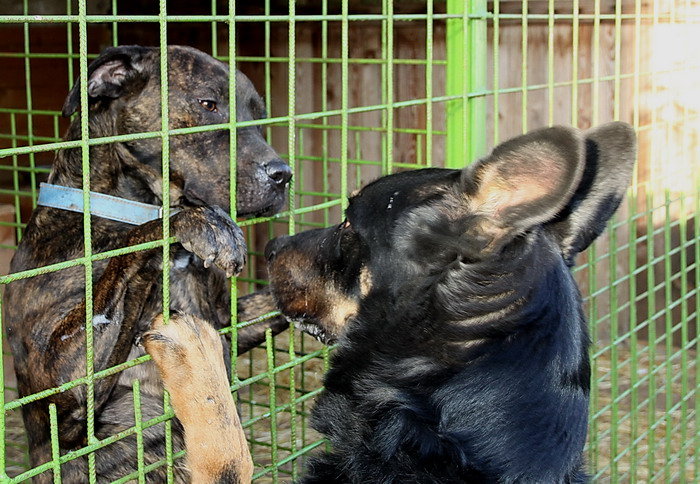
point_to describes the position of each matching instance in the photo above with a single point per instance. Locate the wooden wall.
(655, 89)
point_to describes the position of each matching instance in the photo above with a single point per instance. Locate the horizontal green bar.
(223, 58)
(198, 129)
(310, 116)
(266, 122)
(582, 81)
(26, 169)
(14, 404)
(302, 193)
(583, 17)
(151, 467)
(280, 408)
(82, 260)
(43, 19)
(37, 55)
(120, 138)
(295, 455)
(34, 138)
(74, 383)
(261, 376)
(43, 112)
(62, 19)
(296, 211)
(144, 246)
(92, 448)
(642, 380)
(332, 60)
(377, 129)
(5, 191)
(142, 359)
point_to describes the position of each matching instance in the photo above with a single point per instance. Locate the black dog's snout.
(273, 246)
(278, 171)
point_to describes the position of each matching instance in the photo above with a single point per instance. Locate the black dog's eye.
(208, 104)
(347, 239)
(342, 227)
(340, 236)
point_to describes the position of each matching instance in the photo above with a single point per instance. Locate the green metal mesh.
(360, 88)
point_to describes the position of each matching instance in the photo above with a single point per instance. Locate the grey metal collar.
(101, 205)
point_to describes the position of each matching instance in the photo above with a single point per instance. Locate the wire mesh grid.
(356, 89)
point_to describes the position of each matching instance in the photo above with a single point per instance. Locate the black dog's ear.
(108, 75)
(524, 182)
(610, 155)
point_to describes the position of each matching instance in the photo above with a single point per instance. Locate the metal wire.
(525, 64)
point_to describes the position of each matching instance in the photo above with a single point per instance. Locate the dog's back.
(508, 403)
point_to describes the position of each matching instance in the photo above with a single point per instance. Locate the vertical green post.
(87, 237)
(466, 77)
(55, 448)
(3, 469)
(165, 173)
(233, 167)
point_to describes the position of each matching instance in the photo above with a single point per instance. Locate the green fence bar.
(87, 237)
(436, 84)
(466, 78)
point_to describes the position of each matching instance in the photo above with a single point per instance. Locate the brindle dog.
(45, 315)
(462, 345)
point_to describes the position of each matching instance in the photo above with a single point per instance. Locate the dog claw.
(208, 261)
(231, 272)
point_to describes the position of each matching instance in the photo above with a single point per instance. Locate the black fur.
(465, 358)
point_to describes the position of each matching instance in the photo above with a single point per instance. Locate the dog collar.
(101, 205)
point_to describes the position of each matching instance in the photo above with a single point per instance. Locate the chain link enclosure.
(360, 88)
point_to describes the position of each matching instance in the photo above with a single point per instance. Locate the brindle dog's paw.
(210, 234)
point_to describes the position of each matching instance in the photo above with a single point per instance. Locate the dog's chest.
(192, 290)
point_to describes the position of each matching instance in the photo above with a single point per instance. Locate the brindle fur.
(45, 315)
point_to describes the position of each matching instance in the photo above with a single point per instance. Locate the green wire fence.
(360, 88)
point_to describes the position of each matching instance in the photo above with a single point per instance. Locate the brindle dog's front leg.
(119, 295)
(252, 306)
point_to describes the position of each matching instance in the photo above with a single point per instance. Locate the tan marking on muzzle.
(341, 309)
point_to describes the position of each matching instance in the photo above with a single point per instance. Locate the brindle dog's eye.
(208, 104)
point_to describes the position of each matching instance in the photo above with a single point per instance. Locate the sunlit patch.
(365, 281)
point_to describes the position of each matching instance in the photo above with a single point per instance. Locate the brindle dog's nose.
(278, 171)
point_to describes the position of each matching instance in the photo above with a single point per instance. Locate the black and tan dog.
(45, 315)
(462, 345)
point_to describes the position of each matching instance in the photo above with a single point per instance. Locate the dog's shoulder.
(54, 235)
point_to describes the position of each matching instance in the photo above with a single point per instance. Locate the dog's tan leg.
(252, 306)
(188, 354)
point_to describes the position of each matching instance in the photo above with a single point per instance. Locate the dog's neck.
(458, 307)
(119, 172)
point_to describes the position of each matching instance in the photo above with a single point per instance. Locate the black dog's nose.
(279, 172)
(273, 246)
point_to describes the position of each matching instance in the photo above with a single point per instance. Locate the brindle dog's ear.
(524, 182)
(610, 156)
(108, 75)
